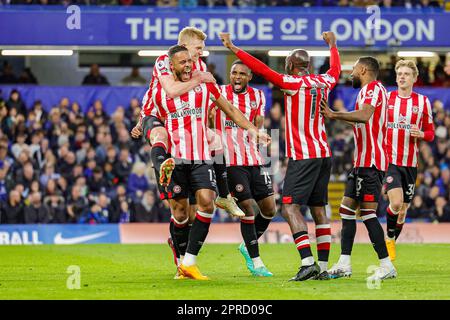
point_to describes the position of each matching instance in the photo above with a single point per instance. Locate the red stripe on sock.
(324, 246)
(365, 213)
(303, 246)
(160, 144)
(389, 211)
(345, 211)
(202, 219)
(323, 232)
(301, 238)
(248, 221)
(399, 225)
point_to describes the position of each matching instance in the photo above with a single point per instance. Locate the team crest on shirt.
(253, 105)
(369, 94)
(177, 189)
(161, 66)
(389, 179)
(198, 89)
(415, 109)
(239, 188)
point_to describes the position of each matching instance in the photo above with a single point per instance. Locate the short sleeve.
(162, 66)
(373, 95)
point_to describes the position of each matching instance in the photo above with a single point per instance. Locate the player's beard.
(356, 82)
(242, 89)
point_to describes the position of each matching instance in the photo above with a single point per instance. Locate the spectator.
(56, 209)
(442, 210)
(7, 75)
(77, 204)
(99, 213)
(27, 77)
(15, 101)
(116, 203)
(12, 210)
(94, 77)
(137, 182)
(122, 168)
(418, 210)
(146, 210)
(36, 212)
(133, 79)
(97, 183)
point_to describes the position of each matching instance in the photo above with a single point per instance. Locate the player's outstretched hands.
(136, 132)
(325, 109)
(329, 37)
(203, 77)
(226, 39)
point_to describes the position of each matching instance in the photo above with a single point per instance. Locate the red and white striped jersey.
(161, 68)
(186, 120)
(240, 150)
(306, 137)
(403, 112)
(370, 137)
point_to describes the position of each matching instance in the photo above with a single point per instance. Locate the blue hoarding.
(58, 234)
(259, 27)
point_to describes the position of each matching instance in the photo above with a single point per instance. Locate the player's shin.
(323, 239)
(376, 233)
(348, 233)
(197, 236)
(391, 221)
(181, 234)
(249, 235)
(261, 224)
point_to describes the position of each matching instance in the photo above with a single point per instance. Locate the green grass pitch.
(146, 272)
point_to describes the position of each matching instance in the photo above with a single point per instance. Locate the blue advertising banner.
(262, 27)
(58, 234)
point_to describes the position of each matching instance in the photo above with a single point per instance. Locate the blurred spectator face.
(76, 192)
(98, 173)
(19, 188)
(28, 171)
(91, 154)
(3, 111)
(63, 151)
(440, 203)
(124, 135)
(13, 112)
(49, 169)
(98, 107)
(55, 116)
(81, 181)
(91, 164)
(134, 103)
(139, 169)
(44, 144)
(34, 186)
(119, 114)
(77, 170)
(24, 157)
(2, 175)
(111, 153)
(438, 105)
(35, 139)
(121, 191)
(275, 112)
(14, 197)
(149, 197)
(62, 182)
(123, 156)
(70, 158)
(51, 186)
(64, 103)
(417, 201)
(21, 138)
(95, 70)
(98, 121)
(103, 200)
(434, 192)
(15, 96)
(435, 171)
(75, 107)
(35, 199)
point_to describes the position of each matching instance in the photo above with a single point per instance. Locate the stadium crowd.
(64, 166)
(239, 3)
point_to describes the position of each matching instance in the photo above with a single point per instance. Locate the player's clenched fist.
(226, 39)
(329, 37)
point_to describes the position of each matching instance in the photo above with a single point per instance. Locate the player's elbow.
(171, 94)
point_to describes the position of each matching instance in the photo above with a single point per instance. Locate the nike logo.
(60, 240)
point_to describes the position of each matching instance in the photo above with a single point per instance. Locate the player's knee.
(205, 203)
(179, 212)
(396, 205)
(159, 134)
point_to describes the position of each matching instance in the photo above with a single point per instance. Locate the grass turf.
(146, 272)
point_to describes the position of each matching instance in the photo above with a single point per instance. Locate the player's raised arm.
(335, 61)
(256, 65)
(175, 89)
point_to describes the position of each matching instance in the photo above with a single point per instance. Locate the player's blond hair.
(407, 63)
(190, 33)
